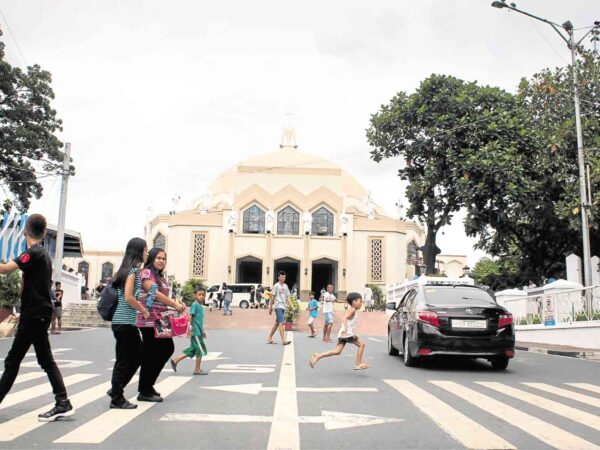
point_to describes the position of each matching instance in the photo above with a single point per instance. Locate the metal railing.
(550, 308)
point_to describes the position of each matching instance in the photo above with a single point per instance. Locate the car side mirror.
(390, 305)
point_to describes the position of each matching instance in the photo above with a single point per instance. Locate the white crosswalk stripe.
(544, 431)
(100, 428)
(592, 401)
(460, 427)
(29, 377)
(586, 387)
(41, 389)
(574, 414)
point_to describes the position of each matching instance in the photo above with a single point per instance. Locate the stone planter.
(288, 326)
(5, 312)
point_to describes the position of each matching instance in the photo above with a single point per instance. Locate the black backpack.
(107, 303)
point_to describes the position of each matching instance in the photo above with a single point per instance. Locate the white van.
(241, 294)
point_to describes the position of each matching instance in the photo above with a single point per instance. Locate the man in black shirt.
(36, 313)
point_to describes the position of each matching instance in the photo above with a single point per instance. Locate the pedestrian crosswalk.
(475, 414)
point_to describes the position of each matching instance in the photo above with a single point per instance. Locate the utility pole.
(60, 232)
(585, 226)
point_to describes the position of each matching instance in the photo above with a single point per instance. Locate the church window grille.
(107, 271)
(199, 252)
(83, 268)
(288, 221)
(254, 220)
(376, 254)
(322, 224)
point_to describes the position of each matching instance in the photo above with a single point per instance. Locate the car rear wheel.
(392, 351)
(500, 363)
(409, 360)
(244, 304)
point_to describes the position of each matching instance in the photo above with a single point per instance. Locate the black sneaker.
(149, 398)
(63, 408)
(122, 404)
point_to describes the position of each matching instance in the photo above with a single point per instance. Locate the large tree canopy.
(27, 132)
(432, 129)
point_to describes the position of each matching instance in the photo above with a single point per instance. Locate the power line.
(27, 170)
(14, 38)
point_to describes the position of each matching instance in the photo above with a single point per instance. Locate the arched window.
(84, 268)
(288, 221)
(322, 224)
(412, 252)
(159, 241)
(107, 271)
(254, 220)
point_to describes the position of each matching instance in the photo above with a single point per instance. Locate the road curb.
(588, 354)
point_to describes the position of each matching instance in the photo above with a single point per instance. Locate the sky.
(158, 98)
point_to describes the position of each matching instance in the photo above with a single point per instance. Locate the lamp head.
(499, 4)
(568, 25)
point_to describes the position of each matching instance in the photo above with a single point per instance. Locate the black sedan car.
(456, 320)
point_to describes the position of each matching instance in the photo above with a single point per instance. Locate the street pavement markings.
(100, 428)
(28, 422)
(41, 389)
(466, 431)
(245, 368)
(256, 388)
(55, 351)
(586, 387)
(539, 429)
(331, 420)
(285, 429)
(29, 376)
(592, 401)
(61, 363)
(574, 414)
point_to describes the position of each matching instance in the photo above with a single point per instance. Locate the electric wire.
(14, 38)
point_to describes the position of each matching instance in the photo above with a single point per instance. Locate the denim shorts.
(328, 317)
(279, 315)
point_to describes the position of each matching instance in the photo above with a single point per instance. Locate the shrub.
(10, 289)
(378, 296)
(292, 313)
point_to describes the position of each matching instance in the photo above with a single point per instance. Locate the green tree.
(10, 289)
(28, 124)
(431, 130)
(498, 274)
(189, 289)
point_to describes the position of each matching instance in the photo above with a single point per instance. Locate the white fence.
(552, 308)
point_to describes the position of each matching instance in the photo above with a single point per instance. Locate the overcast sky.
(158, 98)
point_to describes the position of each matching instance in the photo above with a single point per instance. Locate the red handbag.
(180, 324)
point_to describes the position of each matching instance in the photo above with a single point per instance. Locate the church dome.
(283, 170)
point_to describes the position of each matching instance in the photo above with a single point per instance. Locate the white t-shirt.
(280, 294)
(328, 300)
(368, 295)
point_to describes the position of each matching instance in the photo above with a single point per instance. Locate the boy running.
(36, 314)
(313, 308)
(346, 334)
(279, 299)
(197, 346)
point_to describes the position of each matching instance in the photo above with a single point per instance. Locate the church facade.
(293, 211)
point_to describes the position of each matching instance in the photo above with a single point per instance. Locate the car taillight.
(429, 317)
(510, 353)
(504, 320)
(424, 352)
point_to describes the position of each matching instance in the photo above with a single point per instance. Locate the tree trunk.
(430, 249)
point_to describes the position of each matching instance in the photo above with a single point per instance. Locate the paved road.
(278, 401)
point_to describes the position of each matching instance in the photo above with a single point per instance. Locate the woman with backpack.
(128, 348)
(157, 351)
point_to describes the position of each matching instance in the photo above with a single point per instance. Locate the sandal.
(271, 341)
(287, 342)
(362, 367)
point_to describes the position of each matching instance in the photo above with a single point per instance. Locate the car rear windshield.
(448, 295)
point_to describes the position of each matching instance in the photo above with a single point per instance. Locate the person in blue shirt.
(313, 311)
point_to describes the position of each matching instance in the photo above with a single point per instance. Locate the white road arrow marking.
(331, 420)
(244, 368)
(55, 351)
(213, 356)
(61, 363)
(256, 388)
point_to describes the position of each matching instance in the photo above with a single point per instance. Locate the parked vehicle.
(439, 316)
(241, 294)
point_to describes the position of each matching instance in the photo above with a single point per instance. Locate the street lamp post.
(572, 44)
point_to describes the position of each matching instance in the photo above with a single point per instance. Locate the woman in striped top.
(129, 344)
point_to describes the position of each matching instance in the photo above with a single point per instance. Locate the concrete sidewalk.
(560, 350)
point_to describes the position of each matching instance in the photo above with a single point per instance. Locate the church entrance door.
(248, 270)
(324, 271)
(291, 267)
